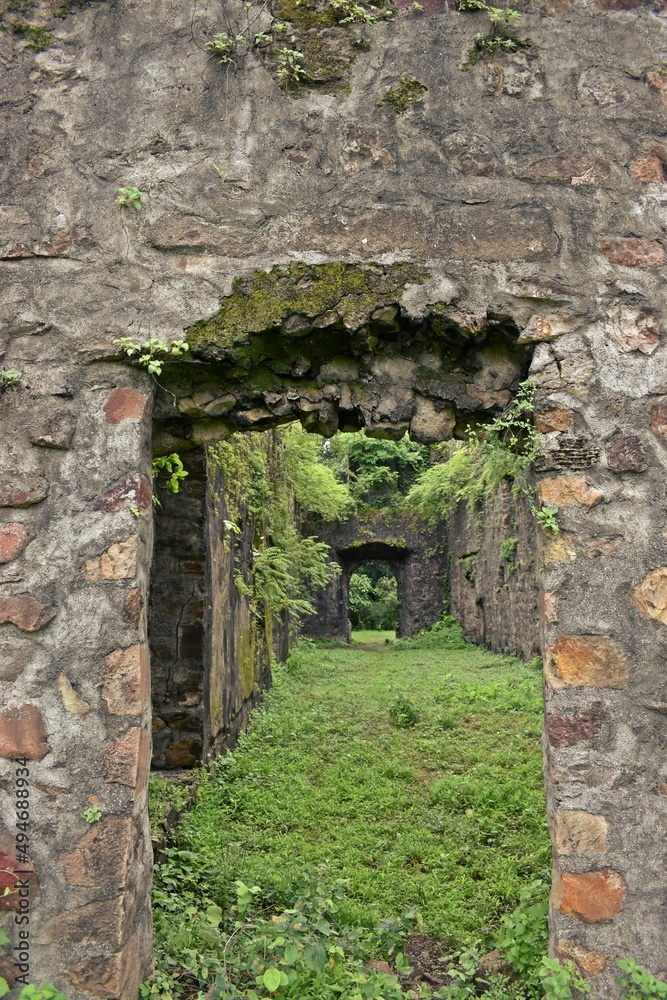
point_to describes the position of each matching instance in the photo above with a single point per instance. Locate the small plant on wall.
(501, 34)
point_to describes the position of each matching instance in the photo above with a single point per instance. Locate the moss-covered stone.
(319, 295)
(36, 38)
(406, 92)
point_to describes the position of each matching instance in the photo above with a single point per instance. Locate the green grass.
(361, 636)
(447, 814)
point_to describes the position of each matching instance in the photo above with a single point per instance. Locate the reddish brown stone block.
(103, 922)
(618, 4)
(102, 856)
(23, 733)
(626, 454)
(14, 537)
(133, 606)
(118, 562)
(633, 252)
(589, 963)
(649, 167)
(185, 752)
(657, 78)
(132, 490)
(566, 491)
(568, 730)
(590, 896)
(578, 832)
(634, 329)
(124, 404)
(557, 419)
(23, 490)
(126, 680)
(117, 976)
(659, 420)
(595, 660)
(56, 432)
(121, 757)
(650, 596)
(25, 612)
(549, 607)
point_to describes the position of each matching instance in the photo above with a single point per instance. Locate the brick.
(659, 420)
(577, 832)
(23, 733)
(55, 432)
(589, 963)
(185, 752)
(14, 537)
(133, 607)
(568, 168)
(23, 490)
(589, 896)
(626, 454)
(25, 612)
(124, 404)
(633, 252)
(650, 596)
(112, 977)
(559, 418)
(649, 167)
(591, 660)
(568, 730)
(133, 490)
(121, 757)
(118, 562)
(568, 491)
(102, 922)
(126, 680)
(633, 329)
(102, 857)
(71, 700)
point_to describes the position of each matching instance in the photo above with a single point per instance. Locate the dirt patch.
(425, 954)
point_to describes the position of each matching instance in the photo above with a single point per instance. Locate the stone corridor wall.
(525, 196)
(493, 578)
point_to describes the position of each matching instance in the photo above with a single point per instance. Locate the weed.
(406, 92)
(500, 36)
(129, 197)
(222, 174)
(152, 353)
(92, 815)
(349, 11)
(403, 713)
(9, 380)
(508, 548)
(290, 69)
(638, 983)
(173, 466)
(223, 46)
(445, 634)
(36, 39)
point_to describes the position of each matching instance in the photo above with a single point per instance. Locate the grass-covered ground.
(412, 774)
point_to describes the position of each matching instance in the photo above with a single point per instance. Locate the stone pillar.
(603, 414)
(75, 541)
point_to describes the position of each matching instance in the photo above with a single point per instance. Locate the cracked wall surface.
(530, 188)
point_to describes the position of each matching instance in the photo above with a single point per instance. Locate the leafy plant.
(500, 36)
(173, 466)
(524, 935)
(561, 982)
(406, 92)
(224, 47)
(9, 380)
(92, 814)
(445, 634)
(349, 11)
(129, 197)
(152, 353)
(637, 982)
(508, 548)
(403, 713)
(290, 68)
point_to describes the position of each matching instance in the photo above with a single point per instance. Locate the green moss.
(261, 301)
(37, 39)
(406, 92)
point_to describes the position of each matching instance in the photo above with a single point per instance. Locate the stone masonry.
(512, 217)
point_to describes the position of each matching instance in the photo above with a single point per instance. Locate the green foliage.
(9, 380)
(637, 982)
(316, 489)
(30, 992)
(524, 935)
(37, 39)
(224, 47)
(377, 473)
(508, 548)
(152, 353)
(92, 815)
(373, 598)
(500, 36)
(349, 12)
(129, 197)
(561, 982)
(445, 634)
(404, 93)
(164, 795)
(474, 472)
(403, 713)
(173, 466)
(290, 69)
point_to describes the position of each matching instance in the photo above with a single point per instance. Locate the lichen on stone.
(301, 298)
(406, 92)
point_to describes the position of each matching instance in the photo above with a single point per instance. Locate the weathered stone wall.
(411, 548)
(529, 190)
(493, 580)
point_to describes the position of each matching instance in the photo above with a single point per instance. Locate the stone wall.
(493, 580)
(411, 548)
(526, 197)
